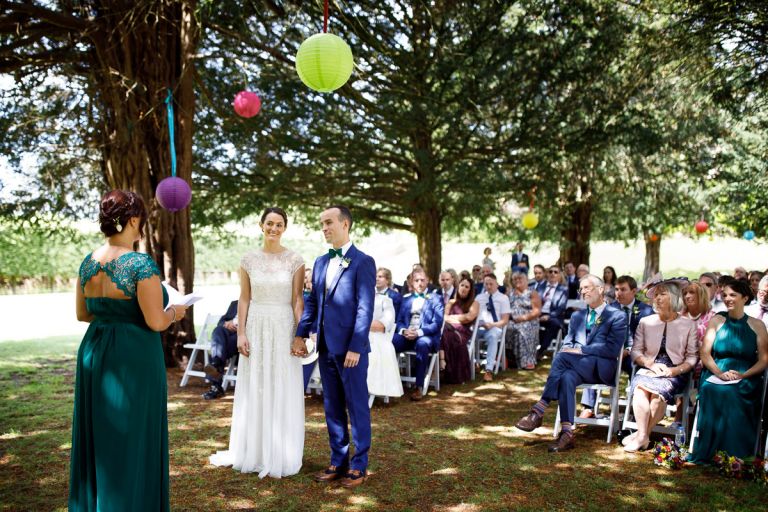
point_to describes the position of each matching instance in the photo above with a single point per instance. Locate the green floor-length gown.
(729, 415)
(119, 458)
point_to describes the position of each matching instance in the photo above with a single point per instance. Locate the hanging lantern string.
(169, 104)
(325, 17)
(533, 198)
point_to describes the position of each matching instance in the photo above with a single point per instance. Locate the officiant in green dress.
(119, 457)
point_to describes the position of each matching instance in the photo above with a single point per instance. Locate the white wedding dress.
(267, 433)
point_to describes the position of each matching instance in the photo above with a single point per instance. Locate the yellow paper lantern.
(530, 220)
(324, 62)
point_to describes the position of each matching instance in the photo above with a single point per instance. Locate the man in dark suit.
(589, 356)
(520, 260)
(571, 281)
(539, 281)
(554, 298)
(418, 327)
(634, 310)
(447, 290)
(384, 287)
(223, 346)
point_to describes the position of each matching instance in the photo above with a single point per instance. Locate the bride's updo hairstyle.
(274, 209)
(119, 206)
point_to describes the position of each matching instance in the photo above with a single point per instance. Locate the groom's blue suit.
(341, 316)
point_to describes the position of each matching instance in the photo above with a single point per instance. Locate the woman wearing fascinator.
(666, 350)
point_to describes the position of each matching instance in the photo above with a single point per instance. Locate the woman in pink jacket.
(666, 350)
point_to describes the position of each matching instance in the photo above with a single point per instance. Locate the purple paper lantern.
(173, 194)
(247, 104)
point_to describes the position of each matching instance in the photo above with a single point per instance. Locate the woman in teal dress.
(735, 347)
(119, 458)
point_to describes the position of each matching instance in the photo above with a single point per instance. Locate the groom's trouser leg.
(355, 382)
(334, 401)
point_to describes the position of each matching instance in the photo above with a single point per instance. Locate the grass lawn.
(455, 451)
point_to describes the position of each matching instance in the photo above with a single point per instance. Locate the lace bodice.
(125, 271)
(271, 275)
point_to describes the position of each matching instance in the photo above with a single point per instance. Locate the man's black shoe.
(214, 393)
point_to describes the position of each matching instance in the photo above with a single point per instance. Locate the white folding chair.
(479, 354)
(432, 377)
(612, 420)
(629, 421)
(472, 347)
(695, 428)
(203, 344)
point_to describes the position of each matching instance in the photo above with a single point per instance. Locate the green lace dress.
(729, 415)
(119, 459)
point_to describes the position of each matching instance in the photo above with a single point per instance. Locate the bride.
(268, 415)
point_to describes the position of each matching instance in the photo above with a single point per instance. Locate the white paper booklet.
(718, 380)
(177, 299)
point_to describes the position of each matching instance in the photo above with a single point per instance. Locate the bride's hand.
(299, 347)
(243, 346)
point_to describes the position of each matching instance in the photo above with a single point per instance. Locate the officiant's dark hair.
(274, 209)
(118, 207)
(344, 213)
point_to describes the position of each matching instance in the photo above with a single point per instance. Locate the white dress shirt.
(500, 304)
(334, 265)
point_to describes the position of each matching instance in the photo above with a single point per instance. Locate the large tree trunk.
(427, 226)
(574, 245)
(652, 255)
(143, 49)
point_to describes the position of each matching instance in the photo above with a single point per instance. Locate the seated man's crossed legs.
(223, 347)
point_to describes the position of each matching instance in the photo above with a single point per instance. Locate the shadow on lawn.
(454, 451)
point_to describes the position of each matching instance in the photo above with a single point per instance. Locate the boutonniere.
(345, 262)
(636, 310)
(599, 320)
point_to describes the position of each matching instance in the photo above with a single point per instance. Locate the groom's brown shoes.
(353, 479)
(329, 474)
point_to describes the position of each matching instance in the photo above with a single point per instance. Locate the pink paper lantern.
(247, 104)
(701, 226)
(173, 194)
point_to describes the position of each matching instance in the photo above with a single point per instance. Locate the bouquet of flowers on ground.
(668, 454)
(753, 468)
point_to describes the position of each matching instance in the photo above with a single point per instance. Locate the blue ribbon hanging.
(169, 104)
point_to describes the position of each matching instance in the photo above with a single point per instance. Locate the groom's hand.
(351, 360)
(299, 347)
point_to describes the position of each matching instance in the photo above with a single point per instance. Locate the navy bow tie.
(334, 252)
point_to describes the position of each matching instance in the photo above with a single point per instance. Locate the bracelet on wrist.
(173, 309)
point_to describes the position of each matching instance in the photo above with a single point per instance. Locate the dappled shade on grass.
(454, 451)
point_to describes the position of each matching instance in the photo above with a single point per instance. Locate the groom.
(340, 310)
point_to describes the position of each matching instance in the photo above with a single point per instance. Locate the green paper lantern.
(324, 62)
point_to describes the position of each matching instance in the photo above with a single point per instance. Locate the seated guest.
(634, 310)
(759, 309)
(735, 348)
(384, 287)
(494, 315)
(553, 302)
(609, 278)
(740, 273)
(523, 330)
(480, 287)
(477, 274)
(665, 349)
(223, 346)
(539, 282)
(589, 356)
(697, 308)
(709, 281)
(571, 281)
(464, 274)
(459, 317)
(383, 369)
(520, 260)
(447, 290)
(717, 303)
(418, 327)
(581, 271)
(754, 282)
(307, 283)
